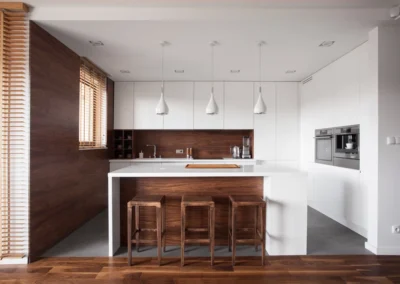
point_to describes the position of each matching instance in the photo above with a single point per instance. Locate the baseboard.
(382, 250)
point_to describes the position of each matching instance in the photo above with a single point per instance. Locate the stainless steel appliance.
(235, 152)
(347, 147)
(246, 148)
(324, 146)
(338, 147)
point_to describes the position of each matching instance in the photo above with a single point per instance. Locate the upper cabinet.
(179, 98)
(202, 92)
(145, 98)
(238, 112)
(123, 105)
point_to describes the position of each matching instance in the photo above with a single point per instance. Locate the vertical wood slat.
(14, 133)
(93, 106)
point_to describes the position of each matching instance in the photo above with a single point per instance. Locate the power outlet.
(396, 229)
(179, 151)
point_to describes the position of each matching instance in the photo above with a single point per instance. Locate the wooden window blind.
(92, 107)
(14, 133)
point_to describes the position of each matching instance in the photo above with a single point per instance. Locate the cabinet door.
(238, 112)
(179, 98)
(145, 99)
(287, 122)
(123, 105)
(202, 91)
(264, 124)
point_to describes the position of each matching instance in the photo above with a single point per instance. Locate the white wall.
(333, 98)
(385, 49)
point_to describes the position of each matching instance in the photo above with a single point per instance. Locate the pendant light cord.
(212, 66)
(162, 68)
(259, 64)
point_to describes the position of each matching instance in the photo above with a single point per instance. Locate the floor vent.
(305, 81)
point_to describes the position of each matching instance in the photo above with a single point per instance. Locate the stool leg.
(209, 228)
(233, 235)
(212, 225)
(183, 213)
(164, 216)
(229, 224)
(129, 235)
(262, 217)
(158, 213)
(137, 227)
(255, 228)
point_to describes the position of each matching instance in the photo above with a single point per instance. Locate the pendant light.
(162, 107)
(260, 107)
(212, 107)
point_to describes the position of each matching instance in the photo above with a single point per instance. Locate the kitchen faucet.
(154, 149)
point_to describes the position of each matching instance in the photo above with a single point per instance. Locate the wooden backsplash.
(206, 144)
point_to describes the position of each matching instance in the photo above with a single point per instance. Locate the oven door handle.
(324, 137)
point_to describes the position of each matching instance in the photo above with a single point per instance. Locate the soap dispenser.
(141, 155)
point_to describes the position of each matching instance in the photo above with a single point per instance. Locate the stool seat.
(147, 200)
(246, 200)
(197, 201)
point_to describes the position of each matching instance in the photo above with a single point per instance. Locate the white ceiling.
(131, 34)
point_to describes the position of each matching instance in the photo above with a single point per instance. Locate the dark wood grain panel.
(206, 144)
(174, 188)
(67, 186)
(278, 269)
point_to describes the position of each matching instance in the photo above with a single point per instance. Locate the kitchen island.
(284, 189)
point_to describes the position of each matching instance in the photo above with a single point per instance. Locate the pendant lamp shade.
(162, 107)
(212, 107)
(260, 107)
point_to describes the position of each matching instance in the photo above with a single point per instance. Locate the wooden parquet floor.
(295, 269)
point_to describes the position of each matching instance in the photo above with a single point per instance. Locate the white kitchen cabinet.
(264, 124)
(179, 98)
(145, 98)
(118, 165)
(287, 122)
(202, 91)
(238, 112)
(123, 105)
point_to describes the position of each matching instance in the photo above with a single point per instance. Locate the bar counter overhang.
(284, 189)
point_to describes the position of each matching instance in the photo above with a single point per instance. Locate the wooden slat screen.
(92, 107)
(14, 133)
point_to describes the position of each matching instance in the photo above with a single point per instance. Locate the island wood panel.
(174, 188)
(206, 144)
(67, 186)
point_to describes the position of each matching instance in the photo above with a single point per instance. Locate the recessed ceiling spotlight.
(125, 71)
(96, 43)
(327, 43)
(179, 71)
(290, 71)
(235, 71)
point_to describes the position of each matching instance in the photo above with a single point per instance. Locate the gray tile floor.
(325, 236)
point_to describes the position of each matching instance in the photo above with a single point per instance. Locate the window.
(92, 107)
(14, 134)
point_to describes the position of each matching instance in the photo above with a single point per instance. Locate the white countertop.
(173, 170)
(179, 160)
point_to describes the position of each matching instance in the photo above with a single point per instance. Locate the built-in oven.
(347, 147)
(324, 146)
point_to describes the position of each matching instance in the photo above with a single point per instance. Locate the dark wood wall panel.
(67, 186)
(174, 188)
(206, 144)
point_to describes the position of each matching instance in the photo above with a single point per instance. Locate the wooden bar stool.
(157, 201)
(198, 201)
(259, 205)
